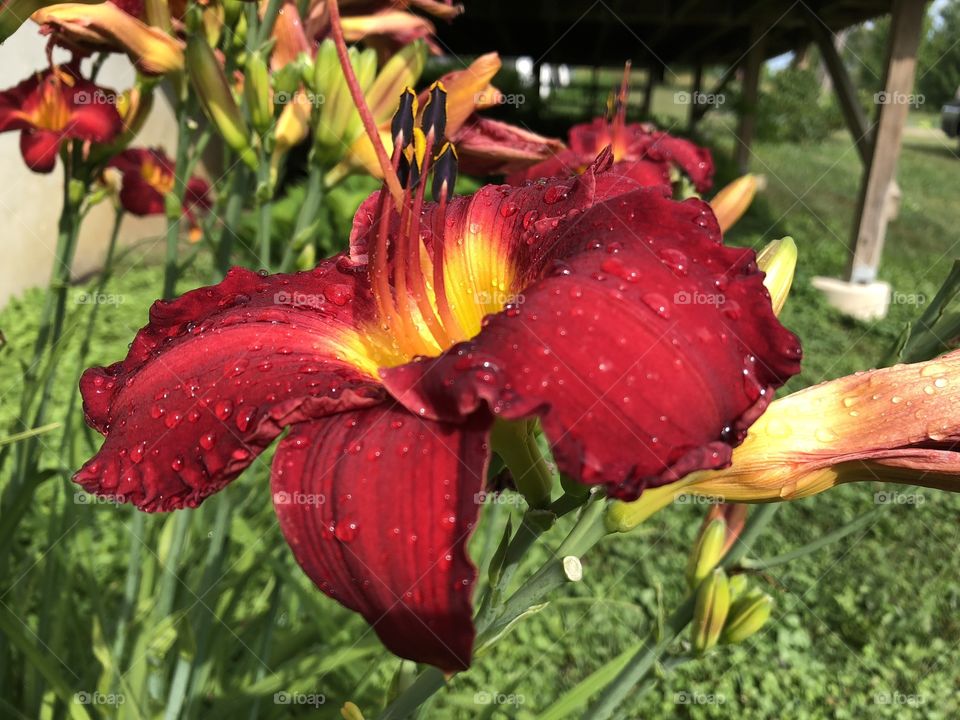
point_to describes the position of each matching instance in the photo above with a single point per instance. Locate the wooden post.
(700, 110)
(875, 205)
(695, 93)
(648, 92)
(751, 93)
(842, 85)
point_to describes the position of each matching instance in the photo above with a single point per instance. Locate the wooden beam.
(875, 204)
(700, 110)
(695, 92)
(752, 65)
(842, 84)
(648, 92)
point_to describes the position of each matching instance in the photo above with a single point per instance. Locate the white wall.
(30, 203)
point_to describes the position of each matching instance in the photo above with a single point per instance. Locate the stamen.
(403, 120)
(356, 93)
(434, 120)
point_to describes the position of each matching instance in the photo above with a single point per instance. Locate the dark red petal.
(489, 147)
(139, 197)
(198, 195)
(14, 102)
(563, 164)
(378, 506)
(694, 160)
(647, 351)
(215, 377)
(94, 114)
(40, 148)
(587, 139)
(646, 173)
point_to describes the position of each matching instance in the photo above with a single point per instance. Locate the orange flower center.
(52, 112)
(157, 176)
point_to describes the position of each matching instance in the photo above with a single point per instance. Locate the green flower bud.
(706, 553)
(747, 615)
(710, 610)
(738, 586)
(256, 88)
(215, 96)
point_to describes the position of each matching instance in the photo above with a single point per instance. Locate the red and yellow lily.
(398, 367)
(55, 106)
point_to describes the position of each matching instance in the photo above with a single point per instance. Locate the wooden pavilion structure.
(738, 35)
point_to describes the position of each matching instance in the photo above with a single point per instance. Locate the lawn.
(203, 614)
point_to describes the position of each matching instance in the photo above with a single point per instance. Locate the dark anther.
(402, 125)
(434, 120)
(445, 172)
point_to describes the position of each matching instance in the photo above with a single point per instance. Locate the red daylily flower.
(389, 364)
(57, 105)
(641, 151)
(148, 176)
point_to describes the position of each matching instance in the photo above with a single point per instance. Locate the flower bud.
(256, 88)
(778, 260)
(747, 615)
(732, 201)
(349, 711)
(710, 610)
(211, 86)
(738, 586)
(707, 552)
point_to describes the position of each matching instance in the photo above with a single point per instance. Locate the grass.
(205, 615)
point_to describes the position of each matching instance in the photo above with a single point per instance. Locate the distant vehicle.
(950, 118)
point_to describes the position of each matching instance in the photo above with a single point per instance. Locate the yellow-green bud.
(738, 586)
(256, 88)
(778, 260)
(215, 96)
(307, 259)
(747, 615)
(711, 606)
(349, 711)
(707, 552)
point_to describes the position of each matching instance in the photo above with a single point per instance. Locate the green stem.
(268, 21)
(640, 664)
(812, 547)
(174, 200)
(516, 443)
(306, 218)
(423, 688)
(265, 209)
(231, 217)
(105, 275)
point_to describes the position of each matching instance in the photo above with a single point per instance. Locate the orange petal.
(105, 26)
